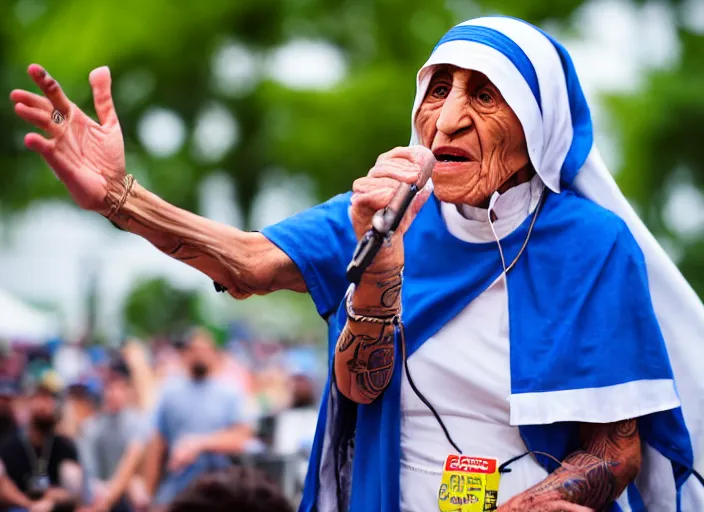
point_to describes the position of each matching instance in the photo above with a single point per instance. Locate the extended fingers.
(31, 100)
(100, 82)
(37, 143)
(40, 118)
(50, 88)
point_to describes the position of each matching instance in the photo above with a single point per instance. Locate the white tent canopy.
(21, 322)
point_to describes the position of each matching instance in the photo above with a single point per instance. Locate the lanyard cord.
(400, 329)
(39, 465)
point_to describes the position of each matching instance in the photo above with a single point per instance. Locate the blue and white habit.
(603, 327)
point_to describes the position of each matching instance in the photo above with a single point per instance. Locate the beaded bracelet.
(128, 181)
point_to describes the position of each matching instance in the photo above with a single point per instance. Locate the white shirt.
(464, 372)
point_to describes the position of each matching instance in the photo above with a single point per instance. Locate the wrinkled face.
(475, 136)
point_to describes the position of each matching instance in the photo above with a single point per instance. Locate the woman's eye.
(440, 91)
(485, 97)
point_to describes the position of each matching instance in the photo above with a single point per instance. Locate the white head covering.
(539, 83)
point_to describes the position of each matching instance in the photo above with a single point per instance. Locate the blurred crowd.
(145, 426)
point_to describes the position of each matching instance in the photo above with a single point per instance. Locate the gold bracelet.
(128, 181)
(382, 320)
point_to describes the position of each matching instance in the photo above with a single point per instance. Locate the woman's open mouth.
(447, 154)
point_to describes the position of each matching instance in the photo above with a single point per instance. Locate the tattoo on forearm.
(372, 363)
(391, 292)
(597, 476)
(379, 293)
(365, 355)
(345, 340)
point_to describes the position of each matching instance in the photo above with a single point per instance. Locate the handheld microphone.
(386, 221)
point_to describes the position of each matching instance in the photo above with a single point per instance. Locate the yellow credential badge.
(469, 484)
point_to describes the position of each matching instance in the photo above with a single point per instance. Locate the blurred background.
(249, 111)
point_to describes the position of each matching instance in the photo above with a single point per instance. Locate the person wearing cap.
(546, 352)
(112, 446)
(42, 464)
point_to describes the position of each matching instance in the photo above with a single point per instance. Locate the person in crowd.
(80, 405)
(542, 327)
(140, 363)
(71, 360)
(240, 488)
(294, 428)
(41, 464)
(199, 423)
(8, 420)
(112, 447)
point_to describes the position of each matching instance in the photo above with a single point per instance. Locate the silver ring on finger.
(57, 116)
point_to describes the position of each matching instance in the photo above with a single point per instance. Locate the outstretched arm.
(89, 159)
(245, 263)
(594, 477)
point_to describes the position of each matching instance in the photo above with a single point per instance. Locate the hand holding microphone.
(384, 203)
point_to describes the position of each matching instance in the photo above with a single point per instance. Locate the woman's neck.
(522, 175)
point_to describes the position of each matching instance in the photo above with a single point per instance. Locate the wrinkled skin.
(463, 112)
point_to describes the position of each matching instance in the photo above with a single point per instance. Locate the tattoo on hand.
(597, 476)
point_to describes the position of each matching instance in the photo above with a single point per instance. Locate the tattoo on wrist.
(385, 299)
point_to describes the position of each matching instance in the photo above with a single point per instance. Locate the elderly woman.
(533, 363)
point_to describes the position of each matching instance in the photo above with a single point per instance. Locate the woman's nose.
(454, 115)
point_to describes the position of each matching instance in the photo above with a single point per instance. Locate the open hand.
(88, 157)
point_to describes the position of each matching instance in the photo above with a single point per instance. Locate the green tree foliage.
(661, 131)
(164, 52)
(156, 308)
(161, 51)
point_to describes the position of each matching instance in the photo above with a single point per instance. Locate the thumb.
(421, 198)
(417, 203)
(100, 82)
